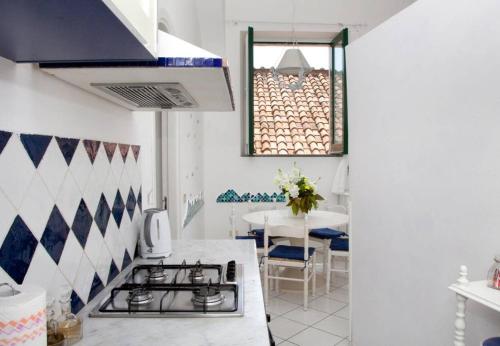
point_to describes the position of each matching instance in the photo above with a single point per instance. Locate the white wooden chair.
(338, 247)
(325, 235)
(303, 257)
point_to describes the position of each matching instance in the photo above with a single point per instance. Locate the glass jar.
(69, 325)
(494, 274)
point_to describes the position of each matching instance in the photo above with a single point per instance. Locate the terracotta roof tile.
(290, 122)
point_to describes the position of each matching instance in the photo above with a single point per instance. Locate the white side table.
(477, 291)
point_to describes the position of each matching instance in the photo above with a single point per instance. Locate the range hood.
(184, 77)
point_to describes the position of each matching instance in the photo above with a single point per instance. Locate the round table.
(316, 219)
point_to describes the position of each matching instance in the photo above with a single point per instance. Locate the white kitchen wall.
(224, 167)
(71, 186)
(424, 104)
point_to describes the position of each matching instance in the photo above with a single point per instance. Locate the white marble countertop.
(251, 329)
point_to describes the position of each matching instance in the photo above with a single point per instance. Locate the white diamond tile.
(58, 282)
(133, 173)
(93, 191)
(94, 245)
(53, 168)
(124, 186)
(110, 187)
(36, 206)
(117, 164)
(114, 242)
(83, 281)
(128, 233)
(284, 328)
(326, 305)
(315, 337)
(104, 263)
(334, 325)
(17, 170)
(7, 216)
(69, 198)
(101, 163)
(81, 166)
(4, 277)
(70, 258)
(308, 317)
(41, 270)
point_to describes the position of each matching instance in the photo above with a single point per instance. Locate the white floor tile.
(286, 343)
(340, 294)
(279, 307)
(326, 305)
(315, 337)
(334, 325)
(295, 297)
(343, 313)
(284, 328)
(344, 342)
(277, 340)
(308, 317)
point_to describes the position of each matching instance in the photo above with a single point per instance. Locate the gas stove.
(176, 290)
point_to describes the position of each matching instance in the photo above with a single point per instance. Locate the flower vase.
(300, 214)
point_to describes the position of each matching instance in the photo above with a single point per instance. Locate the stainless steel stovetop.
(176, 290)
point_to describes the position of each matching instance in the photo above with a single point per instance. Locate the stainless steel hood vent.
(150, 95)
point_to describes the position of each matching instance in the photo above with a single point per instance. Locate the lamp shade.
(293, 62)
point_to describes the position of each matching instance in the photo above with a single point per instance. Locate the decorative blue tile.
(110, 150)
(55, 235)
(82, 223)
(135, 150)
(131, 201)
(67, 147)
(17, 250)
(139, 199)
(76, 303)
(113, 271)
(92, 147)
(124, 151)
(126, 260)
(36, 146)
(118, 208)
(230, 196)
(4, 139)
(102, 214)
(96, 288)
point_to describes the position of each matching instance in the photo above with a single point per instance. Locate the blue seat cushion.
(492, 341)
(325, 233)
(339, 244)
(290, 252)
(259, 242)
(258, 232)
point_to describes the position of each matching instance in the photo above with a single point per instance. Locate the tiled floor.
(326, 322)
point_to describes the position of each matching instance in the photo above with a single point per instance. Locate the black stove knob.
(231, 271)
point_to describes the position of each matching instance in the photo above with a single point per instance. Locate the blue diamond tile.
(55, 235)
(135, 150)
(118, 208)
(102, 214)
(131, 201)
(4, 138)
(92, 147)
(110, 150)
(82, 223)
(67, 147)
(36, 146)
(76, 303)
(96, 288)
(113, 271)
(139, 199)
(124, 151)
(17, 250)
(126, 260)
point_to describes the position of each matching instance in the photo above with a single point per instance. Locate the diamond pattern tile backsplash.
(69, 212)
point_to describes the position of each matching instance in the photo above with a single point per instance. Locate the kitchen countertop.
(251, 329)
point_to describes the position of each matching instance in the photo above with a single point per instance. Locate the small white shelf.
(479, 292)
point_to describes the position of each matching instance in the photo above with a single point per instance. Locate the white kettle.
(155, 237)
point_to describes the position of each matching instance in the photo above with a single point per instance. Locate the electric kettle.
(155, 239)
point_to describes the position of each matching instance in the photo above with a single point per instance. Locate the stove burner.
(140, 296)
(196, 273)
(207, 296)
(157, 274)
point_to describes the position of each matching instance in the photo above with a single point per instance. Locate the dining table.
(284, 217)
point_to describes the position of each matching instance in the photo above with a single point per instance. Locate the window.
(286, 119)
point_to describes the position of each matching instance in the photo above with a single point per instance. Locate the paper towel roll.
(23, 319)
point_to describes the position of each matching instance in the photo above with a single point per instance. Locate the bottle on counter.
(69, 325)
(494, 274)
(54, 336)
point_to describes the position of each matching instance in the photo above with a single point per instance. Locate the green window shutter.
(250, 42)
(338, 92)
